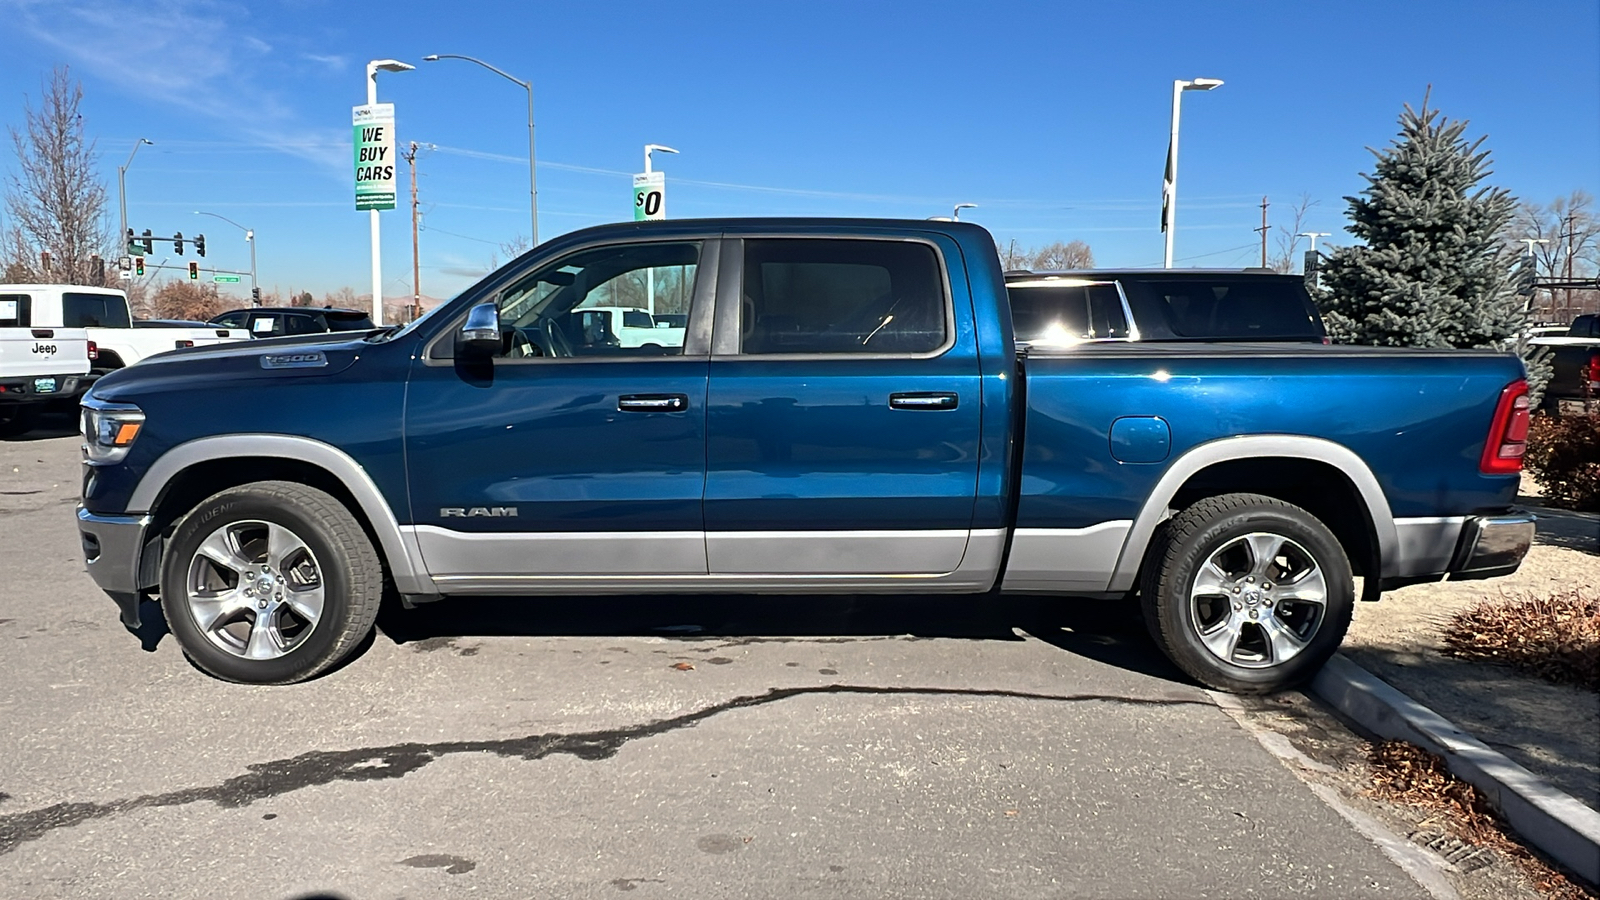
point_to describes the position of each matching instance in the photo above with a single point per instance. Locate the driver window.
(601, 302)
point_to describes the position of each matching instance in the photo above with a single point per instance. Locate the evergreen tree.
(1434, 270)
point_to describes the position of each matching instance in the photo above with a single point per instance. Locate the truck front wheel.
(270, 583)
(1247, 593)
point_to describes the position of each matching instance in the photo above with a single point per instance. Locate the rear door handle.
(653, 402)
(924, 400)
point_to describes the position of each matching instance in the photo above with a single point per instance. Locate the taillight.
(183, 344)
(94, 351)
(1508, 432)
(1594, 371)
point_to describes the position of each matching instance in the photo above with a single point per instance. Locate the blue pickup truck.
(849, 412)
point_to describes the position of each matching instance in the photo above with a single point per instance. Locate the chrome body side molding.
(1065, 560)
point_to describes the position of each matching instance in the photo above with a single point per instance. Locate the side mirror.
(480, 334)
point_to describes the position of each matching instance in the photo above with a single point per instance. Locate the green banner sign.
(373, 128)
(224, 279)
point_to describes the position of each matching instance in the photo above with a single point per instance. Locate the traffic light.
(255, 296)
(200, 245)
(194, 271)
(177, 242)
(1527, 276)
(131, 247)
(149, 248)
(138, 266)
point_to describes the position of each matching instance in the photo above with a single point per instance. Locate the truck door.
(561, 456)
(843, 422)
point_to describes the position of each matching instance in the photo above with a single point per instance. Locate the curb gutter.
(1551, 820)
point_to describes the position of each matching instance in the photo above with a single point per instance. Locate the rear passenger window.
(841, 296)
(1066, 311)
(94, 311)
(15, 311)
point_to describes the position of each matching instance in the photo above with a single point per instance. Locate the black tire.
(19, 418)
(349, 581)
(1179, 608)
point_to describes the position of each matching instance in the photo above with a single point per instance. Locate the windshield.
(1223, 307)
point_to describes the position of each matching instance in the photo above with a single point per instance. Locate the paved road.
(817, 747)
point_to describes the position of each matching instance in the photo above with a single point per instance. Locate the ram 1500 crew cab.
(849, 412)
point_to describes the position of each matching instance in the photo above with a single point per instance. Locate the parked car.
(848, 413)
(37, 366)
(1165, 305)
(277, 321)
(104, 313)
(1574, 387)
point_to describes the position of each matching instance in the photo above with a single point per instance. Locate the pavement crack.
(320, 767)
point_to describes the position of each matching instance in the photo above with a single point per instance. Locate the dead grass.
(1555, 638)
(1405, 773)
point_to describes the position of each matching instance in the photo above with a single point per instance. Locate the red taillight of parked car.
(94, 351)
(1593, 372)
(1508, 432)
(183, 344)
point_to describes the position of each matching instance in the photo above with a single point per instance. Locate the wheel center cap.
(1252, 596)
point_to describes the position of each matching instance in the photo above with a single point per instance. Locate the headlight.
(109, 429)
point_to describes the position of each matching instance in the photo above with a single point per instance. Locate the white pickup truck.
(632, 326)
(36, 365)
(104, 313)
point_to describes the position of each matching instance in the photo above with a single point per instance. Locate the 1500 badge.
(462, 512)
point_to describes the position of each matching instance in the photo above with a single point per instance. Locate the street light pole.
(250, 238)
(533, 184)
(955, 214)
(122, 195)
(650, 274)
(373, 68)
(1169, 206)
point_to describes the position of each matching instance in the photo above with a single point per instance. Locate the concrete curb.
(1551, 820)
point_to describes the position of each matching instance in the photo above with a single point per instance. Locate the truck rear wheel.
(270, 583)
(1248, 594)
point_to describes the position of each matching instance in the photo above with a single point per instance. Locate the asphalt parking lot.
(706, 747)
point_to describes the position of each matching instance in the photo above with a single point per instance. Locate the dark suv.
(277, 321)
(1208, 305)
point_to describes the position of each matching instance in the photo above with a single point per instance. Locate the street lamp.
(648, 148)
(533, 184)
(955, 214)
(250, 238)
(122, 195)
(1313, 235)
(373, 68)
(1169, 185)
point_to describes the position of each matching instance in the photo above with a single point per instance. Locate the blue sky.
(1052, 117)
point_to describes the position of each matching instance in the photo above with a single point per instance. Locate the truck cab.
(105, 314)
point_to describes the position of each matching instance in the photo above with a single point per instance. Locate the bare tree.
(55, 199)
(1058, 255)
(186, 300)
(1570, 232)
(1288, 255)
(345, 297)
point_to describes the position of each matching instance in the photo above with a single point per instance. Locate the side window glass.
(16, 310)
(94, 311)
(1107, 319)
(303, 324)
(1065, 311)
(601, 303)
(841, 296)
(233, 320)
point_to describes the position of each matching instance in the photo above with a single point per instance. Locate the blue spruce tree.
(1434, 269)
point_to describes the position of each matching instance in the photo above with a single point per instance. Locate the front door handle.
(924, 400)
(653, 402)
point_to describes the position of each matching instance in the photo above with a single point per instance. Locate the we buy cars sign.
(374, 140)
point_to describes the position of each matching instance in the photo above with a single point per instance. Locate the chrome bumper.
(1492, 546)
(113, 549)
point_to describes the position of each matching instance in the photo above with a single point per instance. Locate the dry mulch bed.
(1407, 774)
(1555, 638)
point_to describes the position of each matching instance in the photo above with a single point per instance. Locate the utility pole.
(1263, 229)
(416, 266)
(1567, 299)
